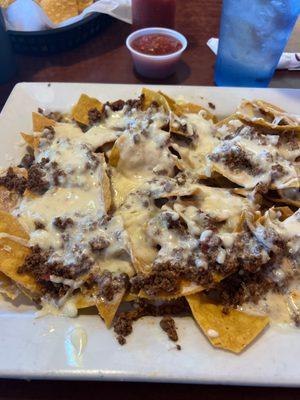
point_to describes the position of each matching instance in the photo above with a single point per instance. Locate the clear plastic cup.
(253, 36)
(152, 66)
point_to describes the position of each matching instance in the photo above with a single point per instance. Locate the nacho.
(233, 331)
(31, 140)
(158, 202)
(80, 112)
(83, 4)
(108, 310)
(266, 115)
(59, 11)
(40, 122)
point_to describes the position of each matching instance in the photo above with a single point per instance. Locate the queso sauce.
(156, 44)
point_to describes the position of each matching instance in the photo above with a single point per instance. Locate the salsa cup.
(153, 66)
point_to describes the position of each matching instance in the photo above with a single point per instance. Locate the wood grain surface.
(106, 59)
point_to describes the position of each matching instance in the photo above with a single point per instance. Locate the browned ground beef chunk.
(117, 105)
(39, 225)
(27, 160)
(165, 278)
(99, 243)
(141, 308)
(36, 179)
(236, 159)
(37, 265)
(246, 253)
(13, 182)
(63, 223)
(131, 103)
(95, 116)
(109, 285)
(55, 115)
(167, 324)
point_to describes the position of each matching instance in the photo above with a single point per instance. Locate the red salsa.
(156, 44)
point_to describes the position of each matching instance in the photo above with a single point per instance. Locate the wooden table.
(105, 59)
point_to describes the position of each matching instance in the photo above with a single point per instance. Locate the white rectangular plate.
(41, 348)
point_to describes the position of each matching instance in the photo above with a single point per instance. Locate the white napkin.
(290, 61)
(26, 15)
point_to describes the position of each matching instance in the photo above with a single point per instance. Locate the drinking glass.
(253, 35)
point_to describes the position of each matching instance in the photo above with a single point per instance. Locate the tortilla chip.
(114, 156)
(266, 115)
(233, 331)
(12, 256)
(190, 108)
(6, 3)
(11, 226)
(150, 96)
(31, 140)
(13, 251)
(59, 10)
(83, 4)
(80, 111)
(285, 212)
(39, 122)
(84, 301)
(186, 108)
(130, 297)
(290, 202)
(107, 310)
(8, 287)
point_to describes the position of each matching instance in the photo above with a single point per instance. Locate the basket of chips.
(42, 27)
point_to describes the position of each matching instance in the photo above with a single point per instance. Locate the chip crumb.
(167, 324)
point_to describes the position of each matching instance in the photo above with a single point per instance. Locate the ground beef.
(167, 324)
(39, 225)
(165, 278)
(57, 176)
(246, 253)
(117, 105)
(109, 285)
(178, 224)
(48, 133)
(38, 266)
(99, 243)
(95, 116)
(236, 159)
(210, 247)
(36, 179)
(131, 103)
(277, 172)
(63, 223)
(28, 159)
(141, 308)
(55, 115)
(13, 182)
(244, 286)
(290, 140)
